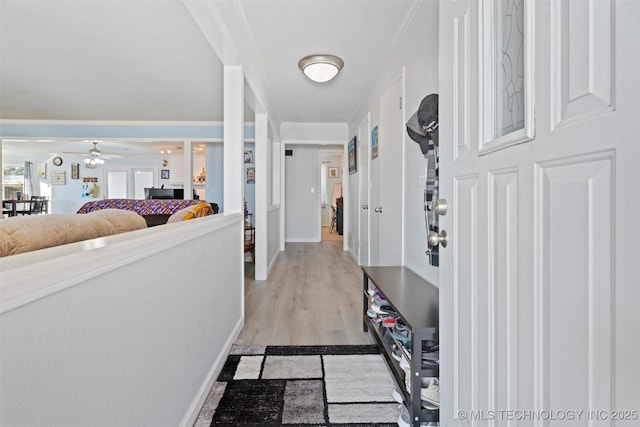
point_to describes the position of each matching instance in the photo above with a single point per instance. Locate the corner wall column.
(188, 170)
(262, 195)
(233, 139)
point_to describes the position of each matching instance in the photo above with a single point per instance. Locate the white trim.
(272, 263)
(303, 240)
(111, 122)
(315, 142)
(30, 276)
(198, 401)
(262, 148)
(487, 142)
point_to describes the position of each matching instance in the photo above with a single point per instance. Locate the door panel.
(142, 178)
(390, 149)
(538, 277)
(364, 142)
(117, 184)
(374, 203)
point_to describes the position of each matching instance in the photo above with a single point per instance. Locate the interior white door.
(128, 182)
(390, 149)
(538, 285)
(117, 184)
(374, 200)
(363, 143)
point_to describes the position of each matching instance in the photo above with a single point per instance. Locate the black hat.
(423, 125)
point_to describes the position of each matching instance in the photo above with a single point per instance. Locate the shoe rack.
(416, 302)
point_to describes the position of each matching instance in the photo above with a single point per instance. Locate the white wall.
(418, 51)
(128, 330)
(215, 173)
(302, 194)
(68, 198)
(313, 133)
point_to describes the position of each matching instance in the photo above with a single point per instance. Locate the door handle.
(440, 207)
(378, 209)
(365, 206)
(436, 239)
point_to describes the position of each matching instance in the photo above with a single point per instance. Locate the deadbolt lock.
(436, 239)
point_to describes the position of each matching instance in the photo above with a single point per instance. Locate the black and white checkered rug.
(302, 385)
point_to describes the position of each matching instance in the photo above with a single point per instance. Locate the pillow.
(195, 211)
(181, 215)
(121, 220)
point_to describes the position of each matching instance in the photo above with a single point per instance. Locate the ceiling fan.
(95, 157)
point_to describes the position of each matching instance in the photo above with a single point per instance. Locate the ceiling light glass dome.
(321, 68)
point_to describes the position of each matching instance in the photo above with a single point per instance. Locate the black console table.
(416, 302)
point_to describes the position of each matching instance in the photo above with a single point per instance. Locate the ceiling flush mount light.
(321, 68)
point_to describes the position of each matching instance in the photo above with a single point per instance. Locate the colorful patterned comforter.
(141, 207)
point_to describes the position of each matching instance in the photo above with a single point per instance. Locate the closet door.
(386, 172)
(364, 142)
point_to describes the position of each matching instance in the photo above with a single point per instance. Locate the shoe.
(396, 395)
(405, 365)
(404, 421)
(379, 300)
(378, 295)
(383, 309)
(430, 395)
(430, 346)
(433, 356)
(402, 333)
(389, 322)
(396, 353)
(386, 336)
(371, 289)
(371, 314)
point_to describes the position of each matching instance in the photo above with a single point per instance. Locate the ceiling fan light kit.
(94, 158)
(321, 68)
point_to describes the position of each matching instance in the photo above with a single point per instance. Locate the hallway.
(312, 297)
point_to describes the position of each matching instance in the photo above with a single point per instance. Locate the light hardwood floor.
(312, 297)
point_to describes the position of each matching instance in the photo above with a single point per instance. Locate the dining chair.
(36, 205)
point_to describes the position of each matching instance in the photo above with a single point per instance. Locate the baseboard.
(194, 409)
(305, 240)
(353, 255)
(271, 264)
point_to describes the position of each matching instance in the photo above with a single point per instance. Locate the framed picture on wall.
(352, 150)
(334, 172)
(248, 156)
(75, 170)
(374, 142)
(164, 174)
(42, 170)
(251, 175)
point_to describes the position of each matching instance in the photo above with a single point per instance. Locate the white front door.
(363, 143)
(539, 282)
